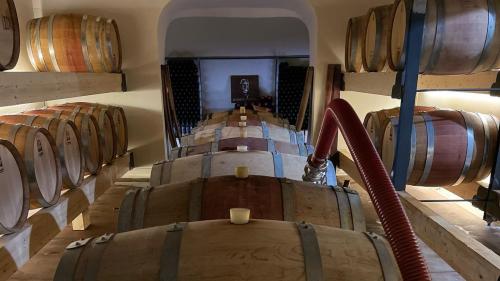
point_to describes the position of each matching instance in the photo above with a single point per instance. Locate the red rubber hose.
(340, 115)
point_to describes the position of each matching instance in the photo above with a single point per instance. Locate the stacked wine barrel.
(9, 35)
(448, 147)
(43, 151)
(458, 39)
(193, 223)
(74, 43)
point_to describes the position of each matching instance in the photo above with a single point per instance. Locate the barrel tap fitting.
(313, 174)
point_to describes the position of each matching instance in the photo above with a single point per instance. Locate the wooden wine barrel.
(448, 147)
(376, 122)
(67, 141)
(252, 144)
(458, 39)
(9, 35)
(354, 44)
(38, 151)
(106, 124)
(14, 202)
(120, 121)
(265, 131)
(235, 118)
(218, 250)
(223, 164)
(374, 54)
(89, 132)
(266, 197)
(74, 43)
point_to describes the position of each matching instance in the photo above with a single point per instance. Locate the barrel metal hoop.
(311, 251)
(376, 122)
(300, 137)
(52, 51)
(156, 174)
(302, 149)
(58, 114)
(96, 249)
(331, 174)
(357, 214)
(270, 146)
(169, 263)
(126, 210)
(413, 150)
(387, 263)
(471, 143)
(487, 143)
(107, 29)
(438, 39)
(265, 130)
(293, 136)
(141, 203)
(69, 262)
(343, 204)
(196, 199)
(214, 147)
(98, 23)
(278, 165)
(206, 165)
(288, 199)
(217, 134)
(39, 44)
(488, 56)
(176, 151)
(430, 148)
(85, 47)
(30, 119)
(28, 45)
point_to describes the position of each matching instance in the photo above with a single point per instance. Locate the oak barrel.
(74, 43)
(448, 147)
(107, 132)
(375, 122)
(67, 138)
(459, 38)
(223, 164)
(14, 202)
(236, 117)
(265, 131)
(354, 44)
(252, 144)
(374, 54)
(9, 35)
(266, 197)
(88, 129)
(120, 121)
(38, 151)
(218, 250)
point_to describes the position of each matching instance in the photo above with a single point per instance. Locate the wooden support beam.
(467, 256)
(29, 87)
(16, 249)
(81, 222)
(308, 86)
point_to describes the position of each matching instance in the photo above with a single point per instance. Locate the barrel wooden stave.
(14, 202)
(74, 43)
(107, 132)
(88, 129)
(458, 39)
(224, 163)
(265, 250)
(9, 35)
(354, 43)
(38, 151)
(67, 141)
(374, 54)
(207, 199)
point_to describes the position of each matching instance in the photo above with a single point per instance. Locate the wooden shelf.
(16, 249)
(381, 83)
(443, 228)
(28, 87)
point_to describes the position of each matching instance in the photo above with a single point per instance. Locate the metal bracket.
(78, 244)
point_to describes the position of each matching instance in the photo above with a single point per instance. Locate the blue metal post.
(406, 89)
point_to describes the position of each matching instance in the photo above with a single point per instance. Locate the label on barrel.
(39, 147)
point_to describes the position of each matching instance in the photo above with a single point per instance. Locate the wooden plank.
(467, 256)
(380, 83)
(28, 87)
(305, 98)
(16, 249)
